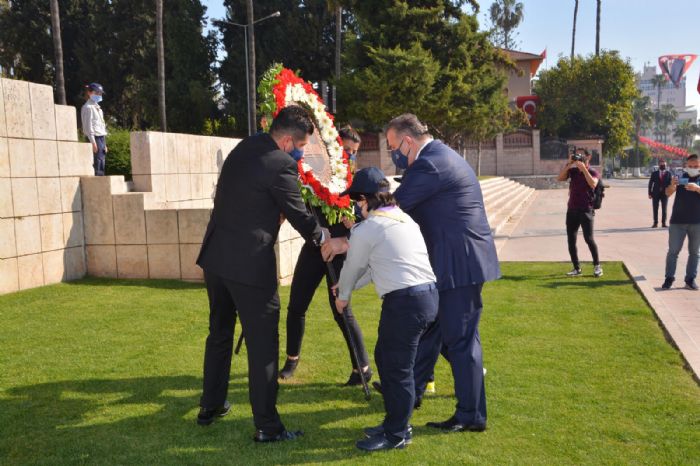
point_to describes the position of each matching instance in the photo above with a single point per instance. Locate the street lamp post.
(249, 72)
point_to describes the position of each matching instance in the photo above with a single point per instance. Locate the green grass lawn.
(109, 372)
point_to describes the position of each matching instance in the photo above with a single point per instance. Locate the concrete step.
(494, 205)
(492, 184)
(499, 191)
(498, 219)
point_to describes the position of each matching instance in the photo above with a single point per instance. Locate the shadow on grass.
(135, 419)
(582, 283)
(147, 283)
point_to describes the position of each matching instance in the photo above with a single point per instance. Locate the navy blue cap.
(366, 181)
(95, 87)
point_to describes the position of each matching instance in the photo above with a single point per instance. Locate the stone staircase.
(503, 198)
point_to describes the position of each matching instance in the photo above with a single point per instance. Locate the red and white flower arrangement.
(280, 87)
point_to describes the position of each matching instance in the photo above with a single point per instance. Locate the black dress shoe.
(380, 442)
(656, 225)
(664, 225)
(261, 436)
(453, 425)
(290, 365)
(207, 416)
(354, 378)
(377, 386)
(378, 430)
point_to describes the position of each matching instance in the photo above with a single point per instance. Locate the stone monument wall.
(154, 229)
(41, 162)
(59, 222)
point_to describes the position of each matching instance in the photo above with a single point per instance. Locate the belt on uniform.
(410, 291)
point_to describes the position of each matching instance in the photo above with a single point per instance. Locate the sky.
(640, 30)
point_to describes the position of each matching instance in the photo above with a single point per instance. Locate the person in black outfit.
(580, 213)
(658, 182)
(308, 273)
(256, 190)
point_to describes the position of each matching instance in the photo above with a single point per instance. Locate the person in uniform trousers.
(94, 128)
(308, 273)
(387, 248)
(658, 182)
(256, 190)
(440, 191)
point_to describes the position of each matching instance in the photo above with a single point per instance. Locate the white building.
(670, 94)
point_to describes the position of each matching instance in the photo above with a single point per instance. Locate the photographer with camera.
(580, 212)
(685, 221)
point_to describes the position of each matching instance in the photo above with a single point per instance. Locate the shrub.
(119, 155)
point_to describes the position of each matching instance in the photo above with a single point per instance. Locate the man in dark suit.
(440, 191)
(658, 182)
(256, 190)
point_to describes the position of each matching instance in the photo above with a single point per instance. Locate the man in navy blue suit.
(440, 191)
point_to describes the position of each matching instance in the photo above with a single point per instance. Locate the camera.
(578, 157)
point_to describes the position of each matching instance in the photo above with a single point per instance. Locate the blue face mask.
(96, 98)
(296, 154)
(399, 158)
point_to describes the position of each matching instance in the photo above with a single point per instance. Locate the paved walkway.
(623, 233)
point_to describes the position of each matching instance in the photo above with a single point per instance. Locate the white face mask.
(693, 172)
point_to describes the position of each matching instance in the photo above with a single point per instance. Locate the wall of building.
(41, 162)
(519, 82)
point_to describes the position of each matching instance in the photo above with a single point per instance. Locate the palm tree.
(686, 131)
(642, 116)
(506, 15)
(161, 65)
(597, 28)
(58, 52)
(658, 81)
(665, 116)
(573, 31)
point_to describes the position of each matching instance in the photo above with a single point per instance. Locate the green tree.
(506, 16)
(664, 118)
(114, 43)
(302, 39)
(588, 96)
(696, 147)
(643, 117)
(686, 132)
(658, 81)
(441, 68)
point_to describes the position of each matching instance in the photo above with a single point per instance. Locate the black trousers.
(259, 311)
(584, 220)
(657, 199)
(403, 322)
(308, 273)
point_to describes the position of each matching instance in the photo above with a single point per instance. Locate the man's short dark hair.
(409, 124)
(293, 120)
(692, 157)
(348, 132)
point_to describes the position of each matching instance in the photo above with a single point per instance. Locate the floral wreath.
(280, 87)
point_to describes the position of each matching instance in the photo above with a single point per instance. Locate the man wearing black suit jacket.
(256, 190)
(658, 182)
